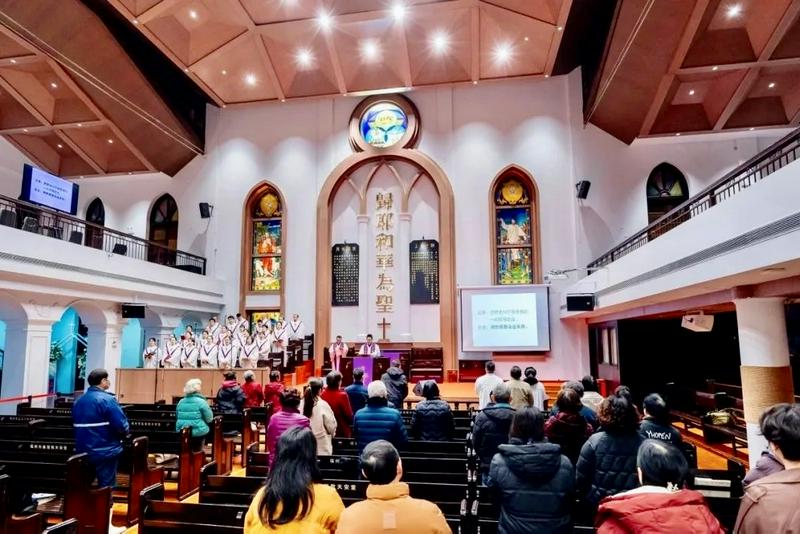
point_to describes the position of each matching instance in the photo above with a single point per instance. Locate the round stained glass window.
(383, 124)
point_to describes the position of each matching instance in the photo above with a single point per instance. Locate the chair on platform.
(30, 224)
(8, 218)
(120, 249)
(76, 237)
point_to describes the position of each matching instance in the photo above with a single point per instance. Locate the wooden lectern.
(373, 368)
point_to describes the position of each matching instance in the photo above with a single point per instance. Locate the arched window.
(263, 240)
(163, 229)
(515, 218)
(95, 214)
(666, 190)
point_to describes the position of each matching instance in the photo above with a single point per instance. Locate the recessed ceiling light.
(771, 85)
(135, 21)
(224, 72)
(502, 53)
(80, 125)
(59, 145)
(110, 141)
(186, 69)
(560, 28)
(691, 92)
(440, 42)
(193, 14)
(474, 82)
(304, 57)
(283, 100)
(751, 129)
(715, 67)
(526, 39)
(250, 79)
(25, 130)
(324, 20)
(734, 11)
(13, 61)
(129, 173)
(370, 50)
(678, 134)
(398, 11)
(546, 75)
(54, 85)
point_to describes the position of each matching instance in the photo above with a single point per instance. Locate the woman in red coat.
(659, 505)
(253, 395)
(340, 404)
(273, 390)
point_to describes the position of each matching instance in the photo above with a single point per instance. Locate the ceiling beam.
(738, 97)
(689, 34)
(475, 49)
(30, 108)
(157, 10)
(338, 73)
(555, 42)
(80, 152)
(780, 62)
(405, 55)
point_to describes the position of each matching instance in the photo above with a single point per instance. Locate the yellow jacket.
(321, 519)
(389, 508)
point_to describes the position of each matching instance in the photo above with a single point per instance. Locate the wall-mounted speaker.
(133, 311)
(582, 189)
(205, 210)
(580, 302)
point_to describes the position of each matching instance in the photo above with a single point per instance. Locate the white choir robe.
(337, 352)
(245, 323)
(264, 344)
(239, 338)
(232, 327)
(297, 330)
(280, 340)
(150, 357)
(226, 356)
(208, 356)
(248, 357)
(367, 350)
(171, 359)
(189, 358)
(215, 332)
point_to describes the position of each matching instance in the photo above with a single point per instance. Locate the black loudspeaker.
(133, 311)
(205, 210)
(582, 188)
(580, 302)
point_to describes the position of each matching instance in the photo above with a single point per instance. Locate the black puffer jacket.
(607, 465)
(535, 483)
(396, 386)
(230, 397)
(490, 431)
(432, 421)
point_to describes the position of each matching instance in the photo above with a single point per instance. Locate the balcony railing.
(39, 220)
(753, 170)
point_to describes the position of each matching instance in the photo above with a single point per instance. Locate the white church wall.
(11, 161)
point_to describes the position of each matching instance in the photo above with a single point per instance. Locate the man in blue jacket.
(377, 420)
(357, 391)
(99, 425)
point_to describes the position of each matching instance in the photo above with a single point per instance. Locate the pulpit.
(373, 368)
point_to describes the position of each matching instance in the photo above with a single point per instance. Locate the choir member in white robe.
(190, 355)
(337, 351)
(188, 334)
(230, 324)
(208, 352)
(248, 355)
(264, 343)
(280, 339)
(242, 321)
(150, 354)
(227, 354)
(173, 353)
(297, 330)
(214, 329)
(240, 336)
(370, 349)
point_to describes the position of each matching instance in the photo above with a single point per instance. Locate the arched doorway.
(163, 230)
(666, 190)
(402, 172)
(95, 214)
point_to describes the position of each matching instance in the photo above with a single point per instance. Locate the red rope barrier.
(26, 397)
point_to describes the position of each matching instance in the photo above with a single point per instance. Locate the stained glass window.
(666, 190)
(266, 238)
(163, 230)
(515, 232)
(383, 124)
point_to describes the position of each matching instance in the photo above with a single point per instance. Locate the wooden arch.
(447, 258)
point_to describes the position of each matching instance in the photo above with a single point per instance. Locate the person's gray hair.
(193, 385)
(377, 388)
(501, 393)
(249, 375)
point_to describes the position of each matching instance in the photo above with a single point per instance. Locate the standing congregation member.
(273, 390)
(389, 508)
(294, 500)
(208, 352)
(150, 354)
(521, 394)
(248, 353)
(287, 417)
(339, 403)
(377, 420)
(485, 384)
(192, 411)
(370, 349)
(357, 391)
(491, 428)
(659, 505)
(227, 354)
(190, 355)
(770, 503)
(323, 422)
(230, 397)
(297, 330)
(337, 351)
(607, 463)
(432, 419)
(568, 428)
(540, 397)
(535, 482)
(99, 425)
(589, 414)
(656, 423)
(396, 384)
(173, 353)
(253, 394)
(591, 398)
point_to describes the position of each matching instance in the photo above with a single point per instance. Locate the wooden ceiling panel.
(429, 65)
(759, 111)
(376, 54)
(138, 7)
(526, 42)
(544, 10)
(13, 115)
(789, 46)
(10, 48)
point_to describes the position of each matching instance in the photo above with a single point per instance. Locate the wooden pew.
(70, 526)
(722, 490)
(257, 461)
(219, 489)
(31, 524)
(158, 515)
